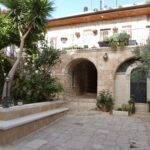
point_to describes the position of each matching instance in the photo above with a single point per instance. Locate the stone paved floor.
(89, 132)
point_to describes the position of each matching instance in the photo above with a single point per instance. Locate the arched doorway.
(138, 86)
(129, 83)
(83, 77)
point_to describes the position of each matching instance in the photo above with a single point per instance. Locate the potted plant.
(20, 102)
(123, 110)
(123, 39)
(63, 39)
(105, 101)
(86, 46)
(95, 32)
(77, 34)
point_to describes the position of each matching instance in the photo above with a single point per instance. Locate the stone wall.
(106, 70)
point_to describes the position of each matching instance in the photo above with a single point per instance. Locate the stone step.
(141, 108)
(14, 129)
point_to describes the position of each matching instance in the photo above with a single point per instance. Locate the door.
(138, 86)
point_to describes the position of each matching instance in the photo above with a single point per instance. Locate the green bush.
(105, 101)
(34, 82)
(123, 39)
(132, 108)
(117, 40)
(125, 107)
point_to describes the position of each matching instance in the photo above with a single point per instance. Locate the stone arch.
(123, 80)
(81, 77)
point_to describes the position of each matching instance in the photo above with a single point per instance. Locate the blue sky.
(70, 7)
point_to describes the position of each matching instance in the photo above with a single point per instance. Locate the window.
(104, 33)
(87, 36)
(53, 42)
(127, 29)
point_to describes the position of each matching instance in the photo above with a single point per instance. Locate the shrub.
(105, 101)
(123, 39)
(117, 40)
(125, 107)
(34, 81)
(132, 108)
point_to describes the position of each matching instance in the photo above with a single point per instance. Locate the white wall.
(69, 31)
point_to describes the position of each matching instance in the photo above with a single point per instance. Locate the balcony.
(137, 37)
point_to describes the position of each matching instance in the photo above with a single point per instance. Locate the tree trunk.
(12, 71)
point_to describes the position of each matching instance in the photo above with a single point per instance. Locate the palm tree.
(28, 16)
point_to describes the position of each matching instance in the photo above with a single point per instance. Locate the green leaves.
(105, 100)
(143, 53)
(35, 80)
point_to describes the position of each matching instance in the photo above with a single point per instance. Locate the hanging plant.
(95, 32)
(77, 34)
(63, 39)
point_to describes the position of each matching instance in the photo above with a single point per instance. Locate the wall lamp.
(105, 57)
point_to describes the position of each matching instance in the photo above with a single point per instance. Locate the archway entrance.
(138, 86)
(83, 77)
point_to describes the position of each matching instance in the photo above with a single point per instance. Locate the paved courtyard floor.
(89, 132)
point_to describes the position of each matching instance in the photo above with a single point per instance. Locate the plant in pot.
(77, 34)
(112, 41)
(95, 32)
(63, 39)
(123, 39)
(105, 101)
(132, 108)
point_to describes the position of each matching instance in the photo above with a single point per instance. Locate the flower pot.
(19, 103)
(121, 113)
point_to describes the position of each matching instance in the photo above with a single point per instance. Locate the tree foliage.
(28, 18)
(143, 54)
(35, 82)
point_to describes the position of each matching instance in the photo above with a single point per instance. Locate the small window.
(104, 33)
(87, 35)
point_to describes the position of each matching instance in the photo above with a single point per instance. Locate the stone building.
(88, 67)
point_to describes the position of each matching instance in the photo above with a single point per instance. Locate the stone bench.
(11, 130)
(28, 109)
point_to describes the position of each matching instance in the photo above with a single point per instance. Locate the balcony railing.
(138, 36)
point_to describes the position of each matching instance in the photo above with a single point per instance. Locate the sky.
(72, 7)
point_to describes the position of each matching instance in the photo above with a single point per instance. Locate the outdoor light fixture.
(105, 57)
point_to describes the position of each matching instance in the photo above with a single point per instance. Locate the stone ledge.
(28, 109)
(14, 129)
(5, 125)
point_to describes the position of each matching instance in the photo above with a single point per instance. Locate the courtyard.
(92, 131)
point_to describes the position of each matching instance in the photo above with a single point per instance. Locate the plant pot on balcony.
(103, 44)
(95, 32)
(77, 34)
(132, 42)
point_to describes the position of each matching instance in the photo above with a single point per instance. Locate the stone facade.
(107, 77)
(87, 67)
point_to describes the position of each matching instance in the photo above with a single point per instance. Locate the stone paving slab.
(91, 132)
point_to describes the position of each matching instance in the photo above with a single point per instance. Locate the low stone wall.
(20, 121)
(28, 109)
